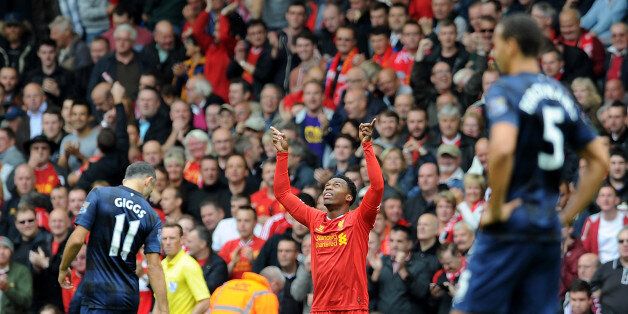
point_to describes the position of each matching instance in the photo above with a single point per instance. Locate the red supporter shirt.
(243, 265)
(266, 206)
(46, 179)
(67, 294)
(339, 245)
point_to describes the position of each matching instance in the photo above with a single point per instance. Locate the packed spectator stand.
(192, 87)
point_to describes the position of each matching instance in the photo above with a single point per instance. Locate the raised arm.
(301, 212)
(373, 197)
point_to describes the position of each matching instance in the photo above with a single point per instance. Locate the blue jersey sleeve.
(498, 106)
(153, 240)
(89, 210)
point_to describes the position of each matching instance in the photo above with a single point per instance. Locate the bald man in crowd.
(166, 51)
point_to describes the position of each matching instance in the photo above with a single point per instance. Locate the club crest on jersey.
(341, 224)
(130, 205)
(320, 228)
(83, 208)
(497, 106)
(172, 286)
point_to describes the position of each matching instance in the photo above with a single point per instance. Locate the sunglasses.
(622, 241)
(23, 222)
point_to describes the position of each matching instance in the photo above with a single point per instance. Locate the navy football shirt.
(547, 118)
(120, 222)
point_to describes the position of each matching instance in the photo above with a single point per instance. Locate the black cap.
(13, 18)
(37, 139)
(14, 113)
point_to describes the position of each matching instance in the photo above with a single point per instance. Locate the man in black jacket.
(154, 122)
(31, 250)
(16, 50)
(213, 188)
(402, 278)
(57, 82)
(123, 65)
(166, 51)
(199, 242)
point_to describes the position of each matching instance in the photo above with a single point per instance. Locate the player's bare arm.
(596, 155)
(157, 282)
(502, 145)
(73, 246)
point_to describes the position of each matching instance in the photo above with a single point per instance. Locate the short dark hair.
(524, 30)
(121, 10)
(249, 208)
(10, 133)
(82, 102)
(256, 22)
(619, 104)
(579, 285)
(298, 3)
(447, 23)
(174, 225)
(352, 29)
(290, 239)
(555, 51)
(347, 137)
(403, 229)
(380, 30)
(390, 114)
(353, 190)
(210, 202)
(106, 141)
(140, 169)
(47, 42)
(377, 5)
(246, 86)
(451, 248)
(400, 6)
(55, 112)
(616, 151)
(307, 35)
(204, 235)
(103, 39)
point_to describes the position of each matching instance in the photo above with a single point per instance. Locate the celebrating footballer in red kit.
(340, 236)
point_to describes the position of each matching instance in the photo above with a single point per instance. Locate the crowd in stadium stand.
(193, 87)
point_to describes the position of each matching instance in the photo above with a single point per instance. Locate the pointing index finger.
(373, 122)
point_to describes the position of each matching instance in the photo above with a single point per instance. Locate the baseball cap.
(14, 113)
(37, 139)
(448, 149)
(255, 123)
(4, 241)
(13, 18)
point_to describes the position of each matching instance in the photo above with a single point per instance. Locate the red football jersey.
(266, 206)
(243, 265)
(339, 245)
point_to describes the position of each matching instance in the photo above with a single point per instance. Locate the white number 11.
(117, 235)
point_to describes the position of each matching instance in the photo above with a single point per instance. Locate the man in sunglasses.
(611, 279)
(31, 250)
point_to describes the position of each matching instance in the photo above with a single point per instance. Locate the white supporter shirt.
(608, 249)
(227, 230)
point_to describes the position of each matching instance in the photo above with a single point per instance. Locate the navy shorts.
(510, 276)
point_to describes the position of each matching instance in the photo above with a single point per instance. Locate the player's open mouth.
(327, 195)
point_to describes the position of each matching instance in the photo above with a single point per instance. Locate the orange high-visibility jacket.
(249, 295)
